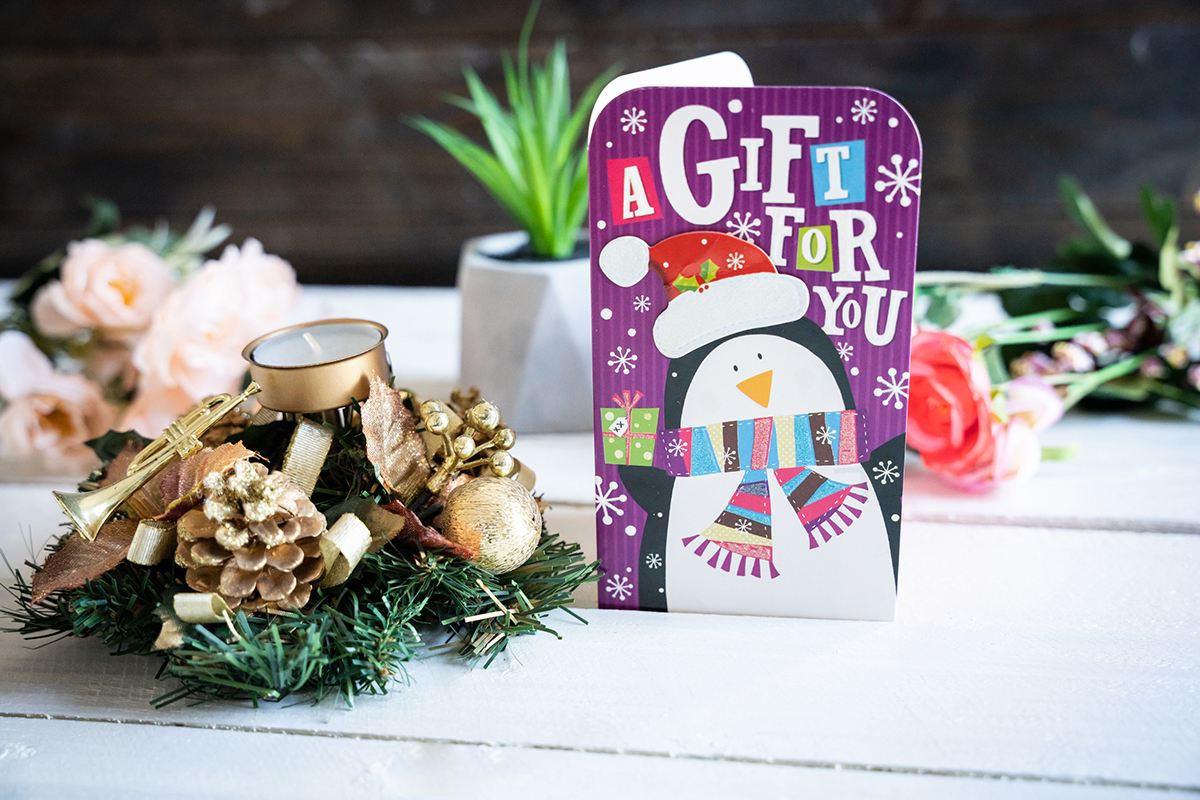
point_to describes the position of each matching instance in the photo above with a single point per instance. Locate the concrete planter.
(526, 335)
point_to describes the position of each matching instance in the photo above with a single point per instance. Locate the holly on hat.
(717, 284)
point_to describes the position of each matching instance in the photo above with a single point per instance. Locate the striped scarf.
(787, 448)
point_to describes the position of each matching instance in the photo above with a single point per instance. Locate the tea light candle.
(317, 366)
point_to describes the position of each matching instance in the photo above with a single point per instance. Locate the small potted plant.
(526, 322)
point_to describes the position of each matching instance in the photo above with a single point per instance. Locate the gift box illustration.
(629, 432)
(753, 251)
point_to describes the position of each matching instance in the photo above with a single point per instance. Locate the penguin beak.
(758, 388)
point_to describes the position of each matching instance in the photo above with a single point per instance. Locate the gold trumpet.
(88, 511)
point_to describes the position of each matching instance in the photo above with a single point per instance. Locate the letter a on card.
(632, 192)
(752, 269)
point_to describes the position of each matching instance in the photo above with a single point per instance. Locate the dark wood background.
(289, 117)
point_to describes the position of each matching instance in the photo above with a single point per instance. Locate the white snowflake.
(633, 121)
(886, 472)
(863, 111)
(728, 456)
(735, 261)
(641, 302)
(899, 180)
(826, 436)
(744, 225)
(677, 447)
(653, 560)
(893, 389)
(742, 525)
(845, 350)
(619, 587)
(622, 359)
(608, 502)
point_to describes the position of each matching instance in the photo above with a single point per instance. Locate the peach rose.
(102, 286)
(193, 347)
(47, 415)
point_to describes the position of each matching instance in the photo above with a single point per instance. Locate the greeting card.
(753, 251)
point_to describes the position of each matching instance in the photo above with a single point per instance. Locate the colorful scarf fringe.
(788, 448)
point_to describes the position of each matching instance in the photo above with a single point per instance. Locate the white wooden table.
(1046, 644)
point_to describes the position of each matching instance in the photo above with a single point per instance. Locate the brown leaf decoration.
(176, 489)
(394, 447)
(417, 533)
(79, 561)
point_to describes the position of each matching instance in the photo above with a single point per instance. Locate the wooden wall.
(289, 115)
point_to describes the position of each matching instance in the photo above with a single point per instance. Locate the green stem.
(1040, 337)
(1024, 321)
(1062, 453)
(1085, 386)
(1170, 392)
(1016, 279)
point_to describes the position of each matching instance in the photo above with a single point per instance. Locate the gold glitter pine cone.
(255, 540)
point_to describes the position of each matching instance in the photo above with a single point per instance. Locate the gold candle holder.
(318, 367)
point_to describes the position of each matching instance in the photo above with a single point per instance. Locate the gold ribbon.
(199, 607)
(152, 542)
(343, 546)
(306, 453)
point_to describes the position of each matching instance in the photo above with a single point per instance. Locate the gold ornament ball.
(504, 438)
(496, 518)
(464, 446)
(484, 416)
(501, 463)
(437, 422)
(431, 407)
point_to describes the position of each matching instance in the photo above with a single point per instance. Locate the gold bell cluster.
(469, 443)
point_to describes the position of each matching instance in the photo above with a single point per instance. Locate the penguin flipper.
(651, 489)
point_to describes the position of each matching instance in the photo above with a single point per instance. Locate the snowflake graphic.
(619, 587)
(641, 302)
(608, 502)
(886, 472)
(863, 111)
(633, 121)
(677, 448)
(745, 226)
(735, 261)
(742, 526)
(653, 560)
(728, 456)
(622, 359)
(902, 181)
(893, 389)
(826, 436)
(845, 350)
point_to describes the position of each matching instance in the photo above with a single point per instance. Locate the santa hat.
(716, 284)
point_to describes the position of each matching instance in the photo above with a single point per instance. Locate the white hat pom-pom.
(625, 260)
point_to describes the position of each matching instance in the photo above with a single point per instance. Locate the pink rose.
(112, 288)
(950, 405)
(1015, 456)
(47, 415)
(951, 421)
(1034, 402)
(193, 347)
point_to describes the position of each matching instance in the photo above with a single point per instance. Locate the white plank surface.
(32, 753)
(1017, 654)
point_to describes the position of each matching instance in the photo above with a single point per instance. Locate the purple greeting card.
(753, 251)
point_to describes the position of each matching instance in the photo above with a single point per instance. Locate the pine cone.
(255, 540)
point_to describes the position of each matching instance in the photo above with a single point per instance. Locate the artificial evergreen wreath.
(323, 589)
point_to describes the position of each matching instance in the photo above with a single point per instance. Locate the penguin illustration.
(766, 505)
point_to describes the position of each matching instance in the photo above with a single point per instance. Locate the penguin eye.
(735, 367)
(760, 356)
